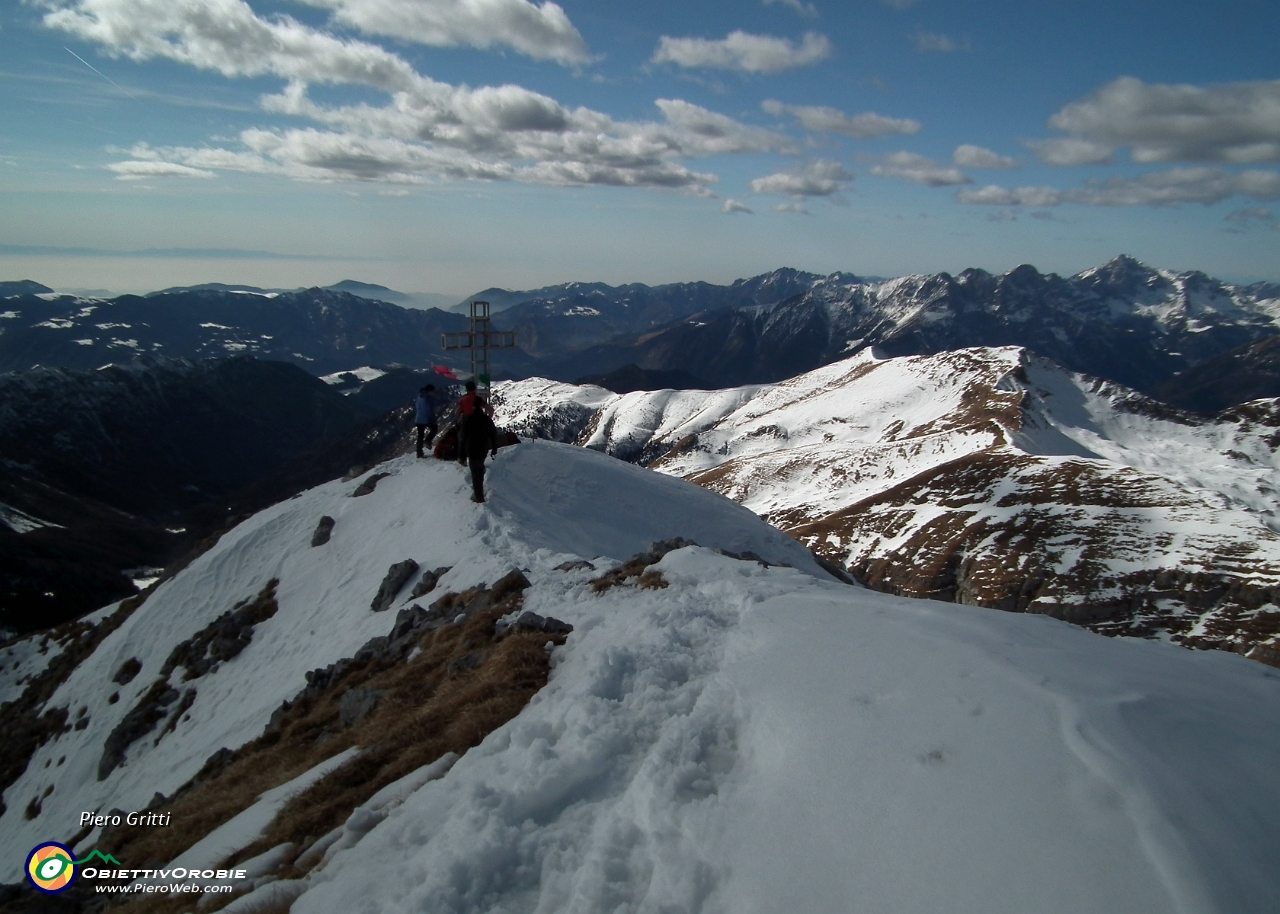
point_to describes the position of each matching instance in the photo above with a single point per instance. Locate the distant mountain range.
(320, 330)
(1144, 328)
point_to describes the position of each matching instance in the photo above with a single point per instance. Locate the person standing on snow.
(477, 435)
(425, 417)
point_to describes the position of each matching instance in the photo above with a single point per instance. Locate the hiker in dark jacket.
(471, 402)
(478, 437)
(425, 417)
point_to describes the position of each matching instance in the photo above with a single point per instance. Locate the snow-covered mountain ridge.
(983, 476)
(1122, 321)
(726, 737)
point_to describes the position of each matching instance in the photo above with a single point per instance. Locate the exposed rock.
(220, 640)
(532, 622)
(635, 567)
(369, 484)
(129, 669)
(141, 720)
(323, 530)
(395, 579)
(357, 704)
(428, 582)
(578, 565)
(27, 723)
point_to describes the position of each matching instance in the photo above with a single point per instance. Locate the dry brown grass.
(427, 711)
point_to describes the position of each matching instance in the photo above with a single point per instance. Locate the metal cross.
(479, 340)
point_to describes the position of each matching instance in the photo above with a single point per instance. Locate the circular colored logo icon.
(50, 867)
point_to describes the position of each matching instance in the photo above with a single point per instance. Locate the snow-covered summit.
(719, 734)
(987, 476)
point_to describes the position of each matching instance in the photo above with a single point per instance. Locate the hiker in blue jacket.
(425, 417)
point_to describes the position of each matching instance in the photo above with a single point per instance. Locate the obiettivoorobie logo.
(51, 867)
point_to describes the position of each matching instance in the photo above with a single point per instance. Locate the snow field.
(549, 502)
(753, 739)
(746, 739)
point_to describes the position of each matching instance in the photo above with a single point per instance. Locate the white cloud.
(743, 52)
(808, 10)
(427, 130)
(709, 133)
(226, 36)
(1234, 123)
(799, 208)
(137, 170)
(967, 156)
(822, 178)
(1179, 185)
(1162, 188)
(991, 195)
(938, 43)
(542, 32)
(1071, 151)
(733, 206)
(919, 170)
(828, 120)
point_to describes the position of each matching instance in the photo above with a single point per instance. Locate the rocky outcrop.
(428, 582)
(369, 484)
(397, 575)
(357, 704)
(219, 641)
(324, 530)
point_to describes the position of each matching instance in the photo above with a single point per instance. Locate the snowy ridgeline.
(748, 738)
(1061, 493)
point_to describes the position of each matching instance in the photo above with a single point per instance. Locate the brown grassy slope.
(431, 705)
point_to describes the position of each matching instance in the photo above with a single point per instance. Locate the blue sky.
(450, 145)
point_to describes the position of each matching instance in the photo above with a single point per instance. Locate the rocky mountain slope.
(1122, 321)
(988, 477)
(693, 731)
(552, 322)
(319, 330)
(128, 467)
(1251, 372)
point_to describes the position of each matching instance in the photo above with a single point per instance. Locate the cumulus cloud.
(1162, 188)
(426, 130)
(919, 170)
(821, 119)
(822, 178)
(227, 37)
(808, 10)
(938, 43)
(733, 206)
(798, 208)
(541, 32)
(1071, 151)
(709, 133)
(743, 52)
(968, 156)
(992, 195)
(1234, 123)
